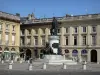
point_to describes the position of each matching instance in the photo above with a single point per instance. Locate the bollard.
(12, 61)
(84, 66)
(2, 61)
(28, 61)
(44, 65)
(21, 61)
(30, 67)
(64, 66)
(85, 62)
(97, 62)
(10, 66)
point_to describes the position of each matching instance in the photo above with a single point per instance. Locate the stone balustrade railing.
(9, 16)
(69, 18)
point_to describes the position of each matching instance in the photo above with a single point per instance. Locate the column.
(79, 56)
(39, 37)
(98, 34)
(70, 53)
(25, 36)
(10, 35)
(88, 35)
(32, 40)
(71, 37)
(3, 34)
(98, 55)
(79, 36)
(39, 53)
(62, 36)
(89, 55)
(46, 34)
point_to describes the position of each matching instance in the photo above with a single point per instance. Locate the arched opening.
(75, 55)
(13, 53)
(36, 53)
(84, 55)
(28, 54)
(21, 53)
(93, 56)
(41, 54)
(0, 52)
(66, 54)
(6, 54)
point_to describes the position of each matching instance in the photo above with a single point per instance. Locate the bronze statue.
(53, 31)
(54, 27)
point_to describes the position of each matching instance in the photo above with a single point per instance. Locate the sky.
(50, 8)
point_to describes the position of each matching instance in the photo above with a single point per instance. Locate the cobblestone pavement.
(38, 66)
(61, 72)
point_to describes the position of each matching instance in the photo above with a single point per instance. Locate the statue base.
(54, 43)
(58, 60)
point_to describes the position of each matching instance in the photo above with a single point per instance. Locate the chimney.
(17, 14)
(29, 17)
(32, 16)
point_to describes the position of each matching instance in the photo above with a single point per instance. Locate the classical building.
(79, 36)
(9, 35)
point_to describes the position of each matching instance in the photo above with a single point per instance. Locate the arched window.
(74, 52)
(66, 51)
(13, 49)
(84, 51)
(6, 49)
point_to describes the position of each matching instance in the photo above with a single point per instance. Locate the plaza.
(79, 36)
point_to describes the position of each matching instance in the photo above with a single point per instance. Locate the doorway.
(93, 56)
(28, 54)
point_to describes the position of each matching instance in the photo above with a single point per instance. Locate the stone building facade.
(9, 35)
(79, 36)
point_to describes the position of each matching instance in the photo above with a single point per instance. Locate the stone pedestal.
(54, 43)
(57, 60)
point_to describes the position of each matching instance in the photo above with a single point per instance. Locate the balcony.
(13, 31)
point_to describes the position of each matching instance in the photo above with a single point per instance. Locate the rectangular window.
(22, 41)
(43, 31)
(36, 31)
(75, 40)
(28, 41)
(29, 31)
(75, 29)
(66, 31)
(36, 40)
(66, 40)
(58, 30)
(22, 32)
(84, 40)
(93, 39)
(13, 39)
(7, 41)
(43, 40)
(13, 28)
(7, 27)
(84, 29)
(94, 29)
